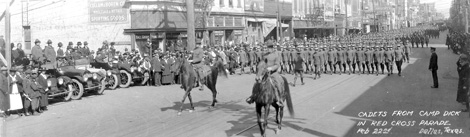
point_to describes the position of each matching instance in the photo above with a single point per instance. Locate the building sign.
(107, 11)
(218, 33)
(237, 32)
(142, 37)
(329, 11)
(254, 5)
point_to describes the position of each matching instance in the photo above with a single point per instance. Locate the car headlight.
(109, 72)
(139, 69)
(86, 76)
(60, 81)
(95, 76)
(61, 71)
(132, 69)
(49, 83)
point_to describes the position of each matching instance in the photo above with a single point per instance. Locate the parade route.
(330, 106)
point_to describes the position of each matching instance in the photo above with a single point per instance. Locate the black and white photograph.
(234, 68)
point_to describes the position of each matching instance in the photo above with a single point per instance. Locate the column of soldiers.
(374, 53)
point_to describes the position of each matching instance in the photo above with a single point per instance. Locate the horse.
(188, 80)
(264, 96)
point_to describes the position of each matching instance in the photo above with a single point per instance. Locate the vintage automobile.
(133, 73)
(90, 79)
(112, 73)
(61, 86)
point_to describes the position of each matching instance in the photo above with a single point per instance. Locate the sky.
(442, 6)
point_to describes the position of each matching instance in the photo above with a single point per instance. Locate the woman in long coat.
(463, 86)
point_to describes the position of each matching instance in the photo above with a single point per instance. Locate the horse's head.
(261, 71)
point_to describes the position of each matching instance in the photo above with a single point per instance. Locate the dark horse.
(264, 96)
(188, 80)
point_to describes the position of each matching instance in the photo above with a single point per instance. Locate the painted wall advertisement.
(329, 11)
(107, 11)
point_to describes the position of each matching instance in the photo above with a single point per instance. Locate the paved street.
(325, 107)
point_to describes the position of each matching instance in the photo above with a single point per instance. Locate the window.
(239, 3)
(230, 3)
(222, 3)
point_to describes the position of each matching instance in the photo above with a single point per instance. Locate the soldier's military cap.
(70, 43)
(105, 42)
(49, 41)
(79, 43)
(37, 41)
(112, 43)
(59, 44)
(85, 43)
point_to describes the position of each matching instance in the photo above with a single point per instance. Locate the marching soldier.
(332, 58)
(399, 57)
(360, 59)
(389, 56)
(351, 59)
(317, 63)
(341, 56)
(376, 60)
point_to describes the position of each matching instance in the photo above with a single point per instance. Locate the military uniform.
(198, 55)
(389, 57)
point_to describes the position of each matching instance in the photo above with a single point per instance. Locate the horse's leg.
(211, 86)
(266, 115)
(258, 115)
(190, 102)
(182, 101)
(278, 118)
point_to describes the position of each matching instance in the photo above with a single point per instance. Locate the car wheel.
(100, 90)
(77, 89)
(126, 79)
(112, 81)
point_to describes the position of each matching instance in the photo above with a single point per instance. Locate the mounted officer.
(198, 55)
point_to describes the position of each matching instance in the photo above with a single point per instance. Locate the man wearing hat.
(86, 49)
(37, 52)
(316, 62)
(298, 69)
(42, 80)
(433, 67)
(360, 59)
(389, 57)
(341, 54)
(272, 59)
(33, 91)
(198, 55)
(399, 57)
(463, 85)
(351, 59)
(4, 93)
(60, 51)
(157, 68)
(369, 59)
(50, 53)
(243, 58)
(332, 58)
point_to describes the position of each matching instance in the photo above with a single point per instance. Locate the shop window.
(239, 5)
(230, 3)
(222, 3)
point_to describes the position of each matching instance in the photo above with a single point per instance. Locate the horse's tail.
(290, 107)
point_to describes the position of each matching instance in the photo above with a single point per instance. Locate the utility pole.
(278, 22)
(346, 17)
(466, 16)
(190, 22)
